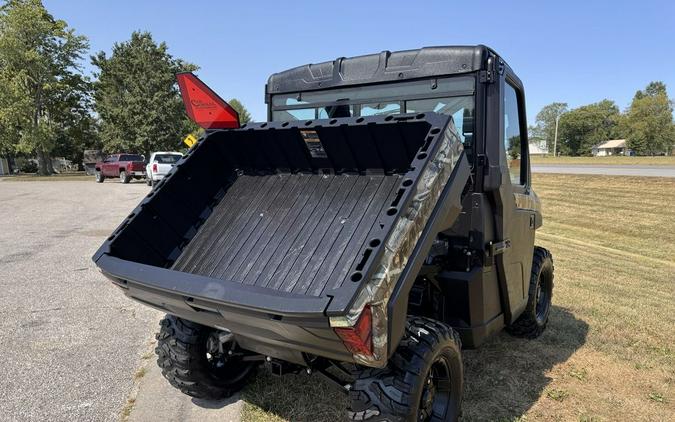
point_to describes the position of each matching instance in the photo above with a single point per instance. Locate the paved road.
(156, 400)
(70, 342)
(608, 170)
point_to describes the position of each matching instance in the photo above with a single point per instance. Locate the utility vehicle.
(381, 220)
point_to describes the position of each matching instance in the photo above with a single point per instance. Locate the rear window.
(131, 157)
(452, 96)
(381, 109)
(167, 158)
(460, 108)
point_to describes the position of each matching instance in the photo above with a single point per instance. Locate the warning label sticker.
(313, 143)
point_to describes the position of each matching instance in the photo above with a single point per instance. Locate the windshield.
(167, 158)
(131, 157)
(451, 96)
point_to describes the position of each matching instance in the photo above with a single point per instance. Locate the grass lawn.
(609, 351)
(614, 160)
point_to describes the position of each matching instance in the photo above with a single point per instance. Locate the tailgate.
(163, 168)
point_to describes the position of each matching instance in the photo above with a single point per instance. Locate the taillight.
(204, 106)
(154, 167)
(359, 338)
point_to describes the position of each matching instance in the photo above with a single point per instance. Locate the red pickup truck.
(124, 166)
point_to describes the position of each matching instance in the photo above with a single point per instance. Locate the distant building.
(91, 156)
(538, 146)
(613, 147)
(62, 164)
(4, 167)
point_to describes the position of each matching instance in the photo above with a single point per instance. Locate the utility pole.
(555, 138)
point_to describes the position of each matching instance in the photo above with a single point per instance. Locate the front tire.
(532, 322)
(99, 177)
(185, 353)
(423, 381)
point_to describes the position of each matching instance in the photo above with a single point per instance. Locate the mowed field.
(608, 353)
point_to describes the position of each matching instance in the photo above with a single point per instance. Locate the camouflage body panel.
(400, 244)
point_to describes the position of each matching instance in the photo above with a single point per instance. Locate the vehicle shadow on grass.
(503, 379)
(507, 375)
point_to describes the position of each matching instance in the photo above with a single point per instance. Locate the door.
(523, 216)
(506, 180)
(110, 166)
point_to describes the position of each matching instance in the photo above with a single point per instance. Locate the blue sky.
(573, 51)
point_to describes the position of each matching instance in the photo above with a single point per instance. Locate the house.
(612, 147)
(538, 148)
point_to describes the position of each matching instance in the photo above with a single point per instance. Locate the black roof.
(382, 67)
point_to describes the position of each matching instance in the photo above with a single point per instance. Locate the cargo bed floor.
(297, 233)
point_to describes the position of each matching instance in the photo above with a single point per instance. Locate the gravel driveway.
(70, 341)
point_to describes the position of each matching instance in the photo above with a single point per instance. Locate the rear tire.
(183, 355)
(423, 381)
(123, 177)
(149, 181)
(99, 177)
(532, 322)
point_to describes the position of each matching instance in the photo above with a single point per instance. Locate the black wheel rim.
(543, 296)
(224, 364)
(216, 355)
(437, 391)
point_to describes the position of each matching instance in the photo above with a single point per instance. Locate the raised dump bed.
(287, 218)
(296, 233)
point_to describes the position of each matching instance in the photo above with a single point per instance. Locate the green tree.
(78, 131)
(514, 147)
(648, 122)
(584, 127)
(244, 115)
(40, 79)
(545, 123)
(653, 89)
(137, 98)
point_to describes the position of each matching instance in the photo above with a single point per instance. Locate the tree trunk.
(45, 167)
(50, 165)
(44, 163)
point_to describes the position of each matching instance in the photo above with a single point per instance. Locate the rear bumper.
(156, 177)
(137, 173)
(266, 322)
